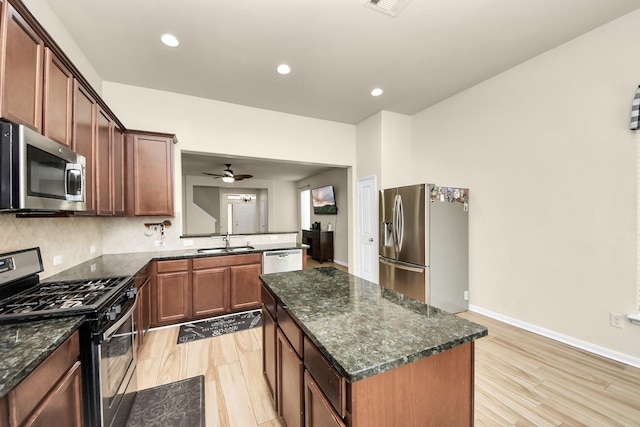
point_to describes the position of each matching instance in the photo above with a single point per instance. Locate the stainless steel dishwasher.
(279, 261)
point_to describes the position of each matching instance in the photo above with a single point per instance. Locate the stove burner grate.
(60, 296)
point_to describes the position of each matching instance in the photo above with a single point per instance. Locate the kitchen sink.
(240, 248)
(225, 250)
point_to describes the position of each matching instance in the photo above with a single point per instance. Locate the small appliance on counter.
(424, 244)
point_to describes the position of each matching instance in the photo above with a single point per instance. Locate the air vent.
(388, 7)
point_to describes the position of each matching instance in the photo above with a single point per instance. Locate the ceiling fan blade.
(240, 177)
(215, 175)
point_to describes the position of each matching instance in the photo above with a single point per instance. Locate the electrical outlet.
(187, 243)
(94, 267)
(92, 249)
(466, 295)
(57, 260)
(617, 320)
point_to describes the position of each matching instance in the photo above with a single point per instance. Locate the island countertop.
(362, 328)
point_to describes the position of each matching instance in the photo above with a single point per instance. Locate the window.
(305, 209)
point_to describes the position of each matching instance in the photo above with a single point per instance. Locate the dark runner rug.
(178, 404)
(219, 326)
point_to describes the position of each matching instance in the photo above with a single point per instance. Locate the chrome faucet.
(227, 239)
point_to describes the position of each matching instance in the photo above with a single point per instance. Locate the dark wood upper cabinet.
(57, 100)
(117, 163)
(84, 138)
(103, 163)
(149, 173)
(127, 172)
(22, 70)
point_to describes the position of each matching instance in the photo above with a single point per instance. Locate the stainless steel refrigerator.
(424, 244)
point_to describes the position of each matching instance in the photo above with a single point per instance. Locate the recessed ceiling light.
(170, 40)
(284, 69)
(376, 92)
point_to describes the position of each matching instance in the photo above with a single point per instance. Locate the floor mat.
(219, 326)
(179, 404)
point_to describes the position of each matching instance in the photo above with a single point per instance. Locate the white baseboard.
(566, 339)
(342, 263)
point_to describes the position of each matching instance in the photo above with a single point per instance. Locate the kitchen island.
(339, 350)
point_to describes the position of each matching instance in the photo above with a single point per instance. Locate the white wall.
(340, 180)
(397, 155)
(546, 151)
(207, 126)
(369, 147)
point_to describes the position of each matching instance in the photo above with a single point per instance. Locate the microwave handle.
(73, 181)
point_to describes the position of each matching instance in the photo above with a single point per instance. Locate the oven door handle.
(123, 318)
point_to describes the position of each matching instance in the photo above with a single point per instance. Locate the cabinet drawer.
(317, 410)
(332, 384)
(290, 329)
(269, 301)
(173, 265)
(28, 394)
(226, 261)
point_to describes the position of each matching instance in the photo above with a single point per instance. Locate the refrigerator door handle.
(401, 265)
(394, 225)
(399, 222)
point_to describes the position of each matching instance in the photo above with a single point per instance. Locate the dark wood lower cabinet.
(64, 404)
(318, 412)
(210, 291)
(245, 286)
(290, 371)
(269, 351)
(51, 394)
(309, 391)
(172, 297)
(191, 289)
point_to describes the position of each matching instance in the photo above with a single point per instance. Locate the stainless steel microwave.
(38, 174)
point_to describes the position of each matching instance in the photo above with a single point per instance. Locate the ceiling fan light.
(228, 179)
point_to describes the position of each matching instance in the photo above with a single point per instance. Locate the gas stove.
(65, 298)
(107, 336)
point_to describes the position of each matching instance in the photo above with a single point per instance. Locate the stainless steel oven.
(114, 346)
(38, 174)
(107, 337)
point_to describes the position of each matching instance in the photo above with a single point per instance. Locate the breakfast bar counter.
(402, 362)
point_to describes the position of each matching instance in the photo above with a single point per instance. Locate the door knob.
(371, 239)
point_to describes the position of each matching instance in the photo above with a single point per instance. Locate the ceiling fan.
(228, 175)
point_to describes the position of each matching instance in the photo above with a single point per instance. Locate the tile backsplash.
(72, 240)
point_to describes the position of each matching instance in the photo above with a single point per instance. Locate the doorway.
(367, 228)
(243, 218)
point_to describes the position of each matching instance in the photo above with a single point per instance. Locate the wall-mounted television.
(324, 200)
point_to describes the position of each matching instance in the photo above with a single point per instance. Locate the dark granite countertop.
(199, 235)
(129, 264)
(24, 345)
(364, 329)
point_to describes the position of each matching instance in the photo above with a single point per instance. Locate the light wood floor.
(524, 379)
(521, 379)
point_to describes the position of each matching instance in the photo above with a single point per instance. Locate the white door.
(368, 229)
(243, 218)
